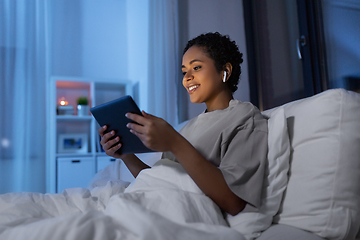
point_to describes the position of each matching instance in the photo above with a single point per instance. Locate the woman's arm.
(110, 146)
(208, 177)
(158, 135)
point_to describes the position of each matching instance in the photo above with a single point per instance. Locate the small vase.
(82, 110)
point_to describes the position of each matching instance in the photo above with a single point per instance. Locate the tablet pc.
(112, 114)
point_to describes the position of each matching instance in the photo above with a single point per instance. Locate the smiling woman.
(217, 148)
(208, 58)
(223, 51)
(201, 79)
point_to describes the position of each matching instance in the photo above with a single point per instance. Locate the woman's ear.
(227, 71)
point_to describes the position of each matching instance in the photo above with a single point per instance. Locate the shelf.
(67, 169)
(73, 155)
(73, 118)
(101, 154)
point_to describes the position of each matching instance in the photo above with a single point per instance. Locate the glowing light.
(63, 102)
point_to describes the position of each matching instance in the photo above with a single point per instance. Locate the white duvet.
(162, 203)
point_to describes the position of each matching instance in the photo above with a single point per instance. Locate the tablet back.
(112, 114)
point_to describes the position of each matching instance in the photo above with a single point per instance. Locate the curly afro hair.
(222, 50)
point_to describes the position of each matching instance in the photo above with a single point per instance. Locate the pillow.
(251, 224)
(323, 191)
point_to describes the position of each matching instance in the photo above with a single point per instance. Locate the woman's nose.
(188, 76)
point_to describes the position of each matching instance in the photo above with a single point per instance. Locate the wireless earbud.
(224, 79)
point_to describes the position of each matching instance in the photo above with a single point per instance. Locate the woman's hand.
(109, 143)
(154, 132)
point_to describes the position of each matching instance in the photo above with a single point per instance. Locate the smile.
(192, 88)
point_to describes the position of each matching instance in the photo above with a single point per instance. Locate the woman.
(223, 149)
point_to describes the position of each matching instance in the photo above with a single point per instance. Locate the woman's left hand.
(154, 132)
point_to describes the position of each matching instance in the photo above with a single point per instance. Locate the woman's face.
(202, 80)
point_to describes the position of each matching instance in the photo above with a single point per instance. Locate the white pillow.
(251, 224)
(323, 192)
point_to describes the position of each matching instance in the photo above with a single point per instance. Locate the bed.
(311, 190)
(163, 203)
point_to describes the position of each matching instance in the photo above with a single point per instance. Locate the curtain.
(22, 95)
(164, 61)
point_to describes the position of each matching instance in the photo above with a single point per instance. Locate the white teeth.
(192, 87)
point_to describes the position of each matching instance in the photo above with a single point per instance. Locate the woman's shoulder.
(243, 108)
(237, 113)
(245, 113)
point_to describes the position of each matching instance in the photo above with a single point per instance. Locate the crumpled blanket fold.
(162, 203)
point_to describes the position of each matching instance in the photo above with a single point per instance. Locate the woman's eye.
(197, 67)
(183, 73)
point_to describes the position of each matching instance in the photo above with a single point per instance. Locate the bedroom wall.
(101, 39)
(104, 43)
(225, 17)
(89, 39)
(108, 39)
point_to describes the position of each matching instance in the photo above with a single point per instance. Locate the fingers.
(136, 128)
(110, 144)
(138, 134)
(107, 141)
(135, 117)
(106, 137)
(148, 115)
(142, 120)
(102, 129)
(139, 125)
(112, 149)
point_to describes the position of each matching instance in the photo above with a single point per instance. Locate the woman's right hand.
(110, 144)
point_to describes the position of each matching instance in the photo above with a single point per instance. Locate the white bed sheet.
(162, 203)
